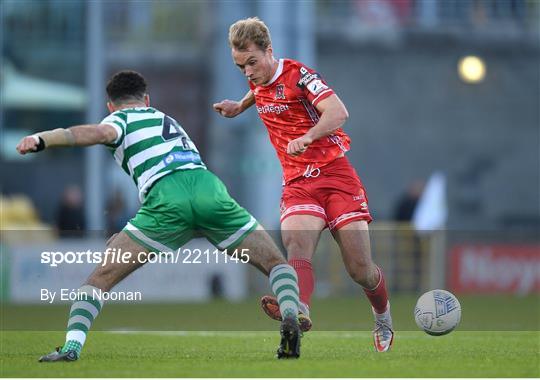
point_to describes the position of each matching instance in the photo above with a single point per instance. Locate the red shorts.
(333, 193)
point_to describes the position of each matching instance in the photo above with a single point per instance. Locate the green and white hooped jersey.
(150, 145)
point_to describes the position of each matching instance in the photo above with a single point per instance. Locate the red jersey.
(286, 105)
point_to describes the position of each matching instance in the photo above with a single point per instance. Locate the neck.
(275, 65)
(130, 105)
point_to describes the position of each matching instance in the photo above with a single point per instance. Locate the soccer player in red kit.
(321, 189)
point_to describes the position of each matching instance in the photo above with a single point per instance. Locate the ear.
(110, 107)
(270, 50)
(147, 100)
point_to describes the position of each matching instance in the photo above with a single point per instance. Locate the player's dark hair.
(126, 86)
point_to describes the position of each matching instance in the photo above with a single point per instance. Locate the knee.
(298, 249)
(102, 278)
(358, 274)
(99, 283)
(363, 273)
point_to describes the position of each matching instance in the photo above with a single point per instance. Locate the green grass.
(498, 337)
(250, 354)
(337, 314)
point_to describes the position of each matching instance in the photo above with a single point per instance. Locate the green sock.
(81, 316)
(72, 345)
(284, 283)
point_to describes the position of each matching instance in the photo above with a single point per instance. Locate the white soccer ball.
(437, 312)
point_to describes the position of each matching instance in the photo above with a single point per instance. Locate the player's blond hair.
(252, 29)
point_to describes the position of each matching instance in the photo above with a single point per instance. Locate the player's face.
(256, 64)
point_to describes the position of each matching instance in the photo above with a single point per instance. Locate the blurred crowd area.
(394, 63)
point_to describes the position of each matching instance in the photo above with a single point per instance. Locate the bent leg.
(261, 249)
(300, 234)
(353, 240)
(266, 256)
(103, 279)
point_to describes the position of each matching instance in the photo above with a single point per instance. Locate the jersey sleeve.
(312, 85)
(118, 121)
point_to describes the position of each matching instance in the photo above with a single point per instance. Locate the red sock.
(378, 296)
(306, 280)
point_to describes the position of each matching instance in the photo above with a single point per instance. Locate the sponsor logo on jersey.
(273, 108)
(306, 77)
(316, 86)
(280, 92)
(182, 157)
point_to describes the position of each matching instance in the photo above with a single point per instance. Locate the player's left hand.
(299, 145)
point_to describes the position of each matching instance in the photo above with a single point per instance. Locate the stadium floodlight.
(471, 69)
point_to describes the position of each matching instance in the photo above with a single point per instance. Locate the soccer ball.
(437, 312)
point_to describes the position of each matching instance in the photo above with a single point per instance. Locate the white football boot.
(383, 334)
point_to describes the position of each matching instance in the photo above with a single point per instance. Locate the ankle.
(303, 308)
(72, 345)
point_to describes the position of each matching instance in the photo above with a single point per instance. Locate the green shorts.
(187, 204)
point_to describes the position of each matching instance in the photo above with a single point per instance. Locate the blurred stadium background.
(444, 105)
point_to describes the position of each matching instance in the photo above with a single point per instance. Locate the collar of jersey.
(135, 108)
(276, 74)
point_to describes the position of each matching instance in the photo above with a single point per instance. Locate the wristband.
(40, 142)
(57, 137)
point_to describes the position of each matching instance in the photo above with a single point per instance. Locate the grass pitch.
(251, 354)
(237, 340)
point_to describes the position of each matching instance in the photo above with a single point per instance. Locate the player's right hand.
(228, 108)
(28, 144)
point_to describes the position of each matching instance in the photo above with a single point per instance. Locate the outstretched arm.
(333, 116)
(80, 135)
(230, 108)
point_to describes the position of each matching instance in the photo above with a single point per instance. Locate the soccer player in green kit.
(179, 197)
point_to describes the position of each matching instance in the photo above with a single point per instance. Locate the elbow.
(343, 115)
(105, 135)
